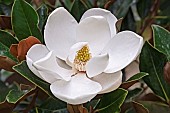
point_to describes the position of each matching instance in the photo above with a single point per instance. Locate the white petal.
(77, 91)
(97, 65)
(32, 68)
(73, 51)
(122, 49)
(106, 14)
(35, 53)
(109, 82)
(94, 30)
(63, 64)
(60, 32)
(50, 70)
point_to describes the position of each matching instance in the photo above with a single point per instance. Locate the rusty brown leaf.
(24, 45)
(14, 50)
(5, 22)
(152, 97)
(6, 107)
(126, 85)
(119, 24)
(52, 2)
(37, 2)
(139, 108)
(6, 63)
(18, 79)
(82, 109)
(76, 108)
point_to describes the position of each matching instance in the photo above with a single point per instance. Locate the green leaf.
(23, 69)
(155, 107)
(78, 9)
(132, 80)
(121, 7)
(53, 104)
(152, 62)
(42, 13)
(129, 19)
(15, 95)
(68, 4)
(144, 7)
(138, 76)
(132, 94)
(7, 39)
(4, 51)
(111, 102)
(162, 40)
(25, 20)
(7, 2)
(3, 91)
(40, 110)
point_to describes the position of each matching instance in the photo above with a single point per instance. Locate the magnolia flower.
(81, 60)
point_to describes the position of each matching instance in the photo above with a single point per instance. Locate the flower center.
(83, 55)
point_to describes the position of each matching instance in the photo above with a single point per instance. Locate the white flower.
(81, 60)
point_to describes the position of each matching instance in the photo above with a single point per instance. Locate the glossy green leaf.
(132, 94)
(23, 69)
(15, 95)
(132, 80)
(25, 20)
(111, 102)
(7, 39)
(162, 40)
(138, 76)
(78, 9)
(53, 104)
(4, 51)
(42, 13)
(152, 62)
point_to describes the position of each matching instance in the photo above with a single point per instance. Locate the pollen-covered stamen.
(82, 56)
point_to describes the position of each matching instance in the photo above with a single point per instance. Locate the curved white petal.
(94, 30)
(60, 32)
(122, 49)
(109, 82)
(73, 51)
(50, 70)
(63, 64)
(78, 90)
(97, 65)
(35, 53)
(106, 14)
